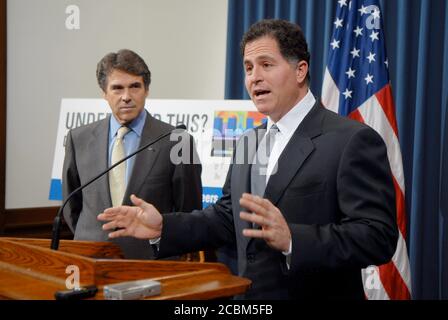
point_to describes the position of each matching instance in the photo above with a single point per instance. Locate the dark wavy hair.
(289, 37)
(124, 60)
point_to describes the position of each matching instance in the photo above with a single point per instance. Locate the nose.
(126, 97)
(255, 76)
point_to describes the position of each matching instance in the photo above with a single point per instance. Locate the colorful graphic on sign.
(228, 126)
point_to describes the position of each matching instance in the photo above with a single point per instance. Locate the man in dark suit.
(307, 218)
(124, 79)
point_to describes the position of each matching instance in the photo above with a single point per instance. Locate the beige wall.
(183, 42)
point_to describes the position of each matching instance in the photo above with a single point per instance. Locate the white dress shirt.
(287, 125)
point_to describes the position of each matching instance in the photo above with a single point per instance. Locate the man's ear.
(301, 71)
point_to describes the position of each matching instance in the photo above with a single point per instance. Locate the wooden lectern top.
(30, 270)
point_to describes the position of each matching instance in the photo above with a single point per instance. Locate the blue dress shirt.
(131, 140)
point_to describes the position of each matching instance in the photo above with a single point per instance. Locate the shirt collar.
(288, 124)
(136, 125)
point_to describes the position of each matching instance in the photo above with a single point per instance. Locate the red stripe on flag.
(399, 201)
(386, 100)
(393, 282)
(356, 115)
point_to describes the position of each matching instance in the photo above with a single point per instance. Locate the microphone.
(57, 220)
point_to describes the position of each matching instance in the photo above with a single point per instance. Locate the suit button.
(251, 258)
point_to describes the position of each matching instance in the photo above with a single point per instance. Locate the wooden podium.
(30, 270)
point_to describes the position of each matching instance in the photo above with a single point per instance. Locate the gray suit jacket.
(154, 178)
(333, 186)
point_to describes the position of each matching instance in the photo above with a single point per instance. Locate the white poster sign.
(214, 124)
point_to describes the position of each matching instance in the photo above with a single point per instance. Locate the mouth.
(126, 108)
(260, 93)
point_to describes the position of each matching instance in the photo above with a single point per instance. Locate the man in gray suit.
(124, 79)
(309, 202)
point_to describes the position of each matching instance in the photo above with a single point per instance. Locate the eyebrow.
(262, 57)
(116, 86)
(132, 85)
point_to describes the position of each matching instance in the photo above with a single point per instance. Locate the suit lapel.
(99, 147)
(299, 147)
(145, 160)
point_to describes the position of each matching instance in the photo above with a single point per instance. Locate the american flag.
(356, 84)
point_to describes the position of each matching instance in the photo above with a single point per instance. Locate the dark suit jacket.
(155, 178)
(333, 186)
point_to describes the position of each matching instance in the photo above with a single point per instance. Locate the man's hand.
(142, 221)
(274, 229)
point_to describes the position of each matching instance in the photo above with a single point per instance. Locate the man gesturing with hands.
(309, 198)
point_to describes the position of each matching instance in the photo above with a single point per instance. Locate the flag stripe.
(393, 283)
(330, 93)
(401, 216)
(356, 115)
(401, 261)
(400, 275)
(374, 116)
(386, 101)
